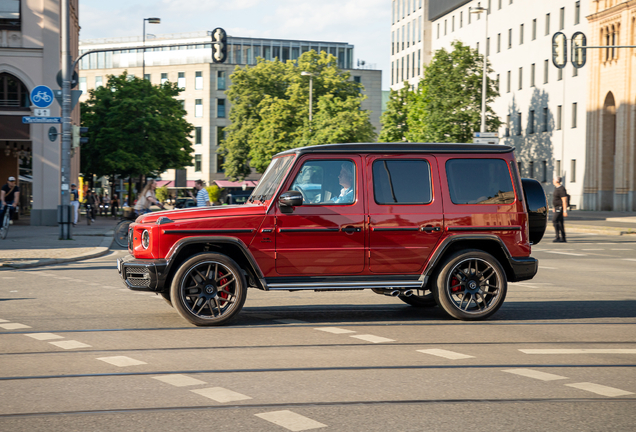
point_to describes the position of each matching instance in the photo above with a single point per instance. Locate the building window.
(438, 30)
(147, 77)
(477, 46)
(392, 73)
(408, 34)
(558, 119)
(419, 61)
(520, 78)
(461, 19)
(547, 24)
(220, 161)
(577, 13)
(557, 168)
(402, 70)
(545, 72)
(574, 115)
(220, 108)
(197, 163)
(453, 24)
(508, 83)
(532, 75)
(198, 80)
(470, 17)
(445, 27)
(562, 18)
(544, 171)
(181, 83)
(545, 120)
(197, 135)
(164, 78)
(531, 122)
(499, 42)
(534, 29)
(13, 94)
(509, 38)
(393, 13)
(531, 169)
(98, 82)
(220, 80)
(407, 66)
(10, 15)
(198, 108)
(499, 4)
(419, 29)
(573, 171)
(392, 42)
(519, 125)
(507, 132)
(498, 84)
(82, 86)
(521, 34)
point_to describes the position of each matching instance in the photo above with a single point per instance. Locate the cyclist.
(9, 197)
(147, 198)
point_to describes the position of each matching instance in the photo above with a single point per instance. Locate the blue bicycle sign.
(42, 96)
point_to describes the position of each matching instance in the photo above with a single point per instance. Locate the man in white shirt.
(203, 199)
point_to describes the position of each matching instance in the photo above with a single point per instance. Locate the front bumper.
(524, 268)
(143, 275)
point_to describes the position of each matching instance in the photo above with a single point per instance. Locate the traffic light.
(219, 45)
(77, 136)
(559, 50)
(579, 42)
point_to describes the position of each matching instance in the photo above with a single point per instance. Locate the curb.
(102, 250)
(586, 229)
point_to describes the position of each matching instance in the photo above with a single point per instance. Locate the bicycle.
(121, 230)
(6, 221)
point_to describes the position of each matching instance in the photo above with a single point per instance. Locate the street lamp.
(311, 90)
(477, 10)
(150, 21)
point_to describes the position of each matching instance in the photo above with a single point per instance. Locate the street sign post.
(41, 96)
(486, 138)
(42, 112)
(32, 120)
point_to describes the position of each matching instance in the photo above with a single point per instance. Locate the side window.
(402, 182)
(479, 181)
(326, 182)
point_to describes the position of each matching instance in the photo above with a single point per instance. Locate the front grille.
(138, 277)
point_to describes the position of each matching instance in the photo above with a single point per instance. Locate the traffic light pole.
(64, 209)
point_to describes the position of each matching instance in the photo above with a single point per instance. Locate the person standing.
(114, 206)
(75, 202)
(91, 204)
(203, 199)
(560, 207)
(9, 197)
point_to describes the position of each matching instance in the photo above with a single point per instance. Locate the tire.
(208, 289)
(471, 285)
(121, 234)
(4, 228)
(419, 299)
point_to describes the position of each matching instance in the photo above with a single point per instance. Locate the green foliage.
(135, 128)
(214, 192)
(162, 193)
(270, 111)
(394, 119)
(447, 104)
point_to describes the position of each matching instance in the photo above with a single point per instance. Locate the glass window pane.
(326, 182)
(402, 182)
(479, 181)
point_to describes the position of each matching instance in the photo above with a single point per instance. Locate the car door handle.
(351, 230)
(430, 229)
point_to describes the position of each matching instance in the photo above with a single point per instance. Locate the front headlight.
(145, 239)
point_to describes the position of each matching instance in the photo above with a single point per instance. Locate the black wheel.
(208, 289)
(420, 298)
(166, 296)
(121, 234)
(471, 285)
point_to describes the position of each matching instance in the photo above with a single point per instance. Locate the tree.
(270, 104)
(162, 193)
(394, 119)
(447, 104)
(134, 128)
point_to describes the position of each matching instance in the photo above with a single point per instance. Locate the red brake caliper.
(455, 281)
(222, 282)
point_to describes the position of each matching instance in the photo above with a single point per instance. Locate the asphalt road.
(79, 352)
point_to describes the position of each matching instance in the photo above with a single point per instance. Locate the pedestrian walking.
(75, 203)
(203, 199)
(560, 207)
(114, 206)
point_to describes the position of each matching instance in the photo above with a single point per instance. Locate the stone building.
(30, 53)
(610, 174)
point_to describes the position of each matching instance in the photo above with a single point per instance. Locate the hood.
(205, 212)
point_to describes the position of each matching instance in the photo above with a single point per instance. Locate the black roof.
(400, 148)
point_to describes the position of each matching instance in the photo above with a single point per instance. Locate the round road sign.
(42, 96)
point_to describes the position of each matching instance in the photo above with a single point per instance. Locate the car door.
(405, 212)
(325, 236)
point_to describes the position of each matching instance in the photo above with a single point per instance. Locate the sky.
(366, 24)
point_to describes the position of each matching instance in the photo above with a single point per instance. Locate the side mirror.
(290, 199)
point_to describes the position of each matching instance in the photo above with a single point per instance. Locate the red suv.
(433, 224)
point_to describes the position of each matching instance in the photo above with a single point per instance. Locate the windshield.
(270, 181)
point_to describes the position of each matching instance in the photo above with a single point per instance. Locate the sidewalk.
(33, 246)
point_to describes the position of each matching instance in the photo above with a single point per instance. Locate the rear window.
(402, 181)
(479, 181)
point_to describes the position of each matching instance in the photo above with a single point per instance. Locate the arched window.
(13, 94)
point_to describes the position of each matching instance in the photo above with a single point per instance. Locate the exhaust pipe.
(407, 293)
(394, 293)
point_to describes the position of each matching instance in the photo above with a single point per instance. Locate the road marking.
(2, 320)
(291, 321)
(564, 253)
(543, 376)
(446, 354)
(220, 394)
(70, 344)
(44, 336)
(334, 330)
(179, 380)
(13, 326)
(621, 249)
(290, 420)
(121, 361)
(629, 259)
(593, 249)
(600, 389)
(580, 351)
(372, 338)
